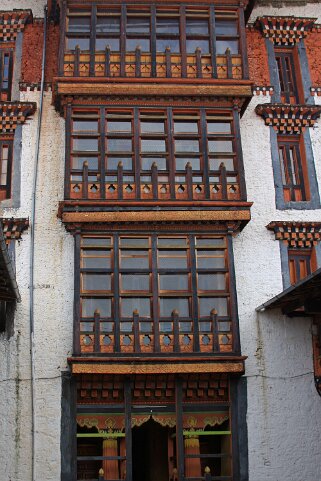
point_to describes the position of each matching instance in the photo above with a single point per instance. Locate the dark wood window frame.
(101, 312)
(6, 154)
(225, 35)
(6, 70)
(302, 262)
(293, 168)
(143, 160)
(288, 67)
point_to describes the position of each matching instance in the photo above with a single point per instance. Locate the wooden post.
(128, 430)
(175, 330)
(85, 180)
(138, 55)
(198, 54)
(223, 181)
(216, 346)
(168, 62)
(229, 63)
(192, 465)
(107, 61)
(207, 474)
(189, 181)
(179, 429)
(110, 466)
(154, 180)
(97, 330)
(120, 180)
(77, 60)
(136, 330)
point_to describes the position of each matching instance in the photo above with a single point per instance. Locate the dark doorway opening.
(150, 452)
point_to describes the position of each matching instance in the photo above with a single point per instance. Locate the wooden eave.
(164, 365)
(223, 3)
(300, 300)
(8, 284)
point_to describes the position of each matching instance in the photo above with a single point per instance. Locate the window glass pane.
(96, 241)
(186, 145)
(119, 145)
(133, 43)
(211, 282)
(79, 24)
(225, 27)
(222, 45)
(167, 25)
(134, 241)
(85, 144)
(185, 127)
(210, 242)
(173, 282)
(152, 127)
(95, 259)
(228, 163)
(181, 163)
(103, 43)
(90, 304)
(192, 45)
(119, 126)
(218, 127)
(134, 282)
(112, 163)
(220, 146)
(147, 163)
(196, 26)
(96, 282)
(153, 145)
(85, 125)
(163, 43)
(169, 304)
(137, 25)
(172, 259)
(172, 242)
(134, 259)
(130, 304)
(108, 24)
(206, 304)
(83, 43)
(210, 260)
(77, 163)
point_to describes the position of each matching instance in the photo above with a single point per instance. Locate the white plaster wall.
(36, 6)
(53, 310)
(311, 10)
(283, 417)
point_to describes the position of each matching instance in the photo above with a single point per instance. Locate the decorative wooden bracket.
(14, 113)
(289, 119)
(296, 234)
(11, 23)
(13, 228)
(284, 30)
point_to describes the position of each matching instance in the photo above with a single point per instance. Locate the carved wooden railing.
(165, 336)
(139, 64)
(157, 185)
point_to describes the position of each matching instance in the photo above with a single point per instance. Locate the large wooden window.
(153, 41)
(5, 168)
(155, 293)
(5, 74)
(293, 169)
(289, 75)
(301, 263)
(151, 154)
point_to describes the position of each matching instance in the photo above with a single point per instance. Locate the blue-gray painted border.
(305, 73)
(284, 255)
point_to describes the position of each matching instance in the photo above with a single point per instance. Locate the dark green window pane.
(131, 304)
(169, 304)
(90, 304)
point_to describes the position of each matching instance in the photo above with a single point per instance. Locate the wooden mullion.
(128, 429)
(241, 23)
(62, 38)
(92, 40)
(9, 169)
(77, 240)
(1, 70)
(171, 152)
(153, 39)
(116, 255)
(68, 153)
(123, 41)
(298, 161)
(239, 154)
(10, 75)
(136, 140)
(182, 22)
(195, 313)
(102, 153)
(289, 171)
(203, 127)
(179, 428)
(213, 41)
(155, 294)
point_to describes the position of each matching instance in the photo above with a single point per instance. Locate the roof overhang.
(300, 300)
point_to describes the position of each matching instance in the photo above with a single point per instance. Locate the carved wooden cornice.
(13, 228)
(296, 234)
(13, 22)
(289, 119)
(284, 30)
(14, 113)
(263, 90)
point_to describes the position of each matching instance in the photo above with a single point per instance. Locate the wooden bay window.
(6, 65)
(5, 168)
